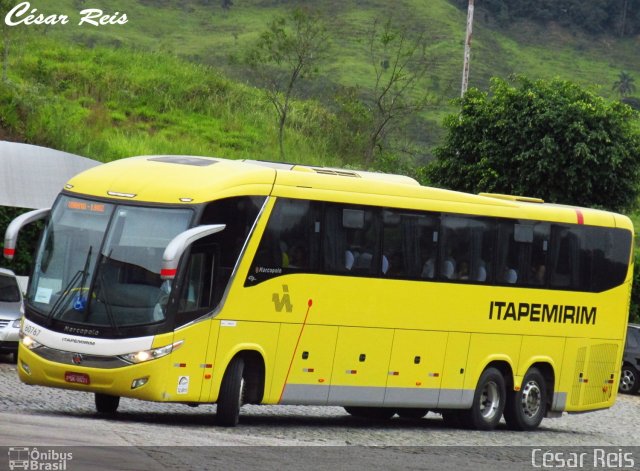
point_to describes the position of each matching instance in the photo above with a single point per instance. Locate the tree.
(549, 139)
(286, 52)
(399, 64)
(624, 85)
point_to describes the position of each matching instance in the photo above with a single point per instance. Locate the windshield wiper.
(61, 301)
(105, 301)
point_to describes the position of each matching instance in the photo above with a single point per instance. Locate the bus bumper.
(141, 381)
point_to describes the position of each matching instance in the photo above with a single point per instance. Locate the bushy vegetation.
(549, 139)
(107, 104)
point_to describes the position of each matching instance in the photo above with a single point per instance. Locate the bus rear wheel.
(527, 407)
(375, 413)
(488, 401)
(231, 394)
(106, 404)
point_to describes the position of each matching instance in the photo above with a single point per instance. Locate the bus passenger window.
(564, 257)
(349, 240)
(467, 249)
(428, 245)
(409, 242)
(289, 243)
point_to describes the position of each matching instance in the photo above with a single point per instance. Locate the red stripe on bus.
(304, 323)
(580, 216)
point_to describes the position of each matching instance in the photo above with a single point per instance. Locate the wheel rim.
(531, 399)
(489, 401)
(627, 380)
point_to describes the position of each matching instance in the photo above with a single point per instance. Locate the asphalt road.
(66, 433)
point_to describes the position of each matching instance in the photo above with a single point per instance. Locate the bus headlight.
(29, 342)
(154, 353)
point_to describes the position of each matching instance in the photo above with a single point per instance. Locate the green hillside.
(171, 79)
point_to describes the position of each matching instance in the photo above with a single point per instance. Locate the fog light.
(25, 367)
(136, 383)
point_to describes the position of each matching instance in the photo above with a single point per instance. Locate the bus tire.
(488, 401)
(231, 394)
(629, 379)
(412, 412)
(527, 407)
(106, 404)
(374, 413)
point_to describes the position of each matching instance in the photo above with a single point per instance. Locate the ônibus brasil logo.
(38, 460)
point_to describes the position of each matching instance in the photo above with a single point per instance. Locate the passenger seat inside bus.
(481, 273)
(511, 276)
(429, 269)
(362, 262)
(448, 269)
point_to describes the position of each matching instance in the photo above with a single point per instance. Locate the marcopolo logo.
(282, 302)
(38, 460)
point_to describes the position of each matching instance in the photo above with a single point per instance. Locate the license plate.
(79, 378)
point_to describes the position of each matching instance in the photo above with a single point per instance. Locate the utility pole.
(467, 49)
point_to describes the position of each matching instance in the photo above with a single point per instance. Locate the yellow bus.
(203, 280)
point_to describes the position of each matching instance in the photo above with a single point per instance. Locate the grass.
(107, 104)
(207, 34)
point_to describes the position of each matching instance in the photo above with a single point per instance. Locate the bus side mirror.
(179, 244)
(11, 234)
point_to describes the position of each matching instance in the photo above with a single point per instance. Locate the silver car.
(11, 310)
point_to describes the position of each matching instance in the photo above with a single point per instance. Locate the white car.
(11, 311)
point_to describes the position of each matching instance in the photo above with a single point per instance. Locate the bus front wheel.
(488, 401)
(231, 394)
(106, 404)
(527, 407)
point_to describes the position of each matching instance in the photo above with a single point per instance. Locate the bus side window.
(510, 255)
(429, 236)
(467, 249)
(350, 240)
(564, 257)
(197, 288)
(609, 249)
(409, 244)
(290, 241)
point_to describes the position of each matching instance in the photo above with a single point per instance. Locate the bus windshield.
(99, 263)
